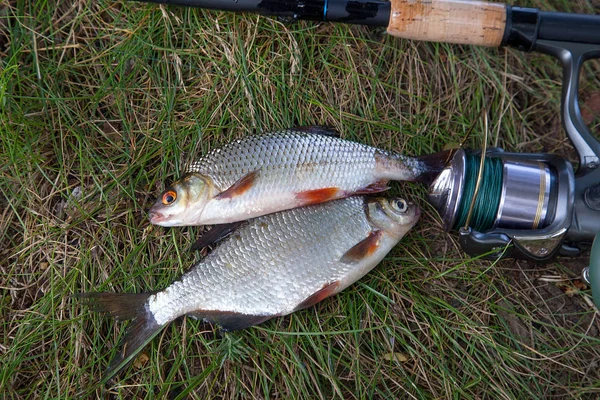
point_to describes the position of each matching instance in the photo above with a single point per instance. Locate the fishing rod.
(453, 21)
(528, 206)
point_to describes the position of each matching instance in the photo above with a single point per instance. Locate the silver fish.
(266, 173)
(270, 266)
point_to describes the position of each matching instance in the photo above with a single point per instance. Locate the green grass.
(102, 103)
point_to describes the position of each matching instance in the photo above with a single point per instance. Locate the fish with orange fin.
(272, 172)
(270, 266)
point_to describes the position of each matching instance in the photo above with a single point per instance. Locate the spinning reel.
(530, 206)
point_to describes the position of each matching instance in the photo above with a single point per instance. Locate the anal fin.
(362, 249)
(230, 321)
(326, 291)
(240, 187)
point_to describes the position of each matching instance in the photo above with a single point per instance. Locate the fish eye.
(400, 205)
(169, 197)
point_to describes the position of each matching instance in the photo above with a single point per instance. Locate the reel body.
(531, 206)
(524, 208)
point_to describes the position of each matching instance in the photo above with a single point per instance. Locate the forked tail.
(397, 167)
(432, 165)
(123, 306)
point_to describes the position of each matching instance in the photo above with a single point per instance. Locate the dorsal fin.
(318, 130)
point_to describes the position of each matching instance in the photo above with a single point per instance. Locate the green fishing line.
(488, 198)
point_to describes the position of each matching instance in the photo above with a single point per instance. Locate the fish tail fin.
(432, 164)
(423, 169)
(141, 330)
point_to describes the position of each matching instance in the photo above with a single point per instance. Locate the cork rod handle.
(453, 21)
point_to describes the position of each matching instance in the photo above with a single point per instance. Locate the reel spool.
(514, 194)
(523, 199)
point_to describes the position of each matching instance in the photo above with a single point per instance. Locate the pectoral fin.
(215, 234)
(363, 249)
(240, 187)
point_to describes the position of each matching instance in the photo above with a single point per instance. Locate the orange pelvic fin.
(363, 249)
(319, 195)
(327, 290)
(240, 187)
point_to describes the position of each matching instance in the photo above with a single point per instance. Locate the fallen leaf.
(141, 360)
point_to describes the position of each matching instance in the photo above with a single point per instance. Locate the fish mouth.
(156, 217)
